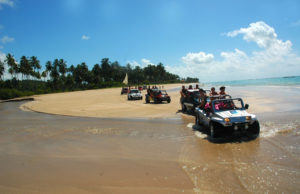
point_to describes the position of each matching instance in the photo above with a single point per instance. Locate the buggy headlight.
(227, 120)
(248, 118)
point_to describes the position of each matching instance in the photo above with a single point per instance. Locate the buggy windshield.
(228, 104)
(134, 91)
(163, 92)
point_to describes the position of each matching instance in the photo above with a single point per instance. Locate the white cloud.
(144, 63)
(2, 56)
(275, 59)
(6, 2)
(197, 58)
(262, 34)
(134, 63)
(84, 37)
(6, 39)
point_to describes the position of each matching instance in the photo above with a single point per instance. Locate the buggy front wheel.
(212, 130)
(197, 120)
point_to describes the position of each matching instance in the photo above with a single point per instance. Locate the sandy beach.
(120, 146)
(105, 103)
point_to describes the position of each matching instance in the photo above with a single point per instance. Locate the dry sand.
(107, 103)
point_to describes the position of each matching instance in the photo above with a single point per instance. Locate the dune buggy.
(157, 96)
(134, 94)
(228, 116)
(124, 91)
(190, 101)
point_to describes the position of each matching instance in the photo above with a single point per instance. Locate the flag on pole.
(125, 81)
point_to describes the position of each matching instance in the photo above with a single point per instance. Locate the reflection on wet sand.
(42, 153)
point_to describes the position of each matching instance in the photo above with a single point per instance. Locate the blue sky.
(212, 40)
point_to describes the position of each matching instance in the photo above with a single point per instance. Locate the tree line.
(27, 77)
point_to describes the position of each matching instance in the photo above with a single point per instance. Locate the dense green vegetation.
(27, 78)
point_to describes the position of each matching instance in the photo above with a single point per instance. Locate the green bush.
(9, 93)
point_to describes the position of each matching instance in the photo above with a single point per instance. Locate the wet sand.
(44, 153)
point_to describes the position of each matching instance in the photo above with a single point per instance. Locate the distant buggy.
(134, 94)
(227, 116)
(157, 96)
(124, 91)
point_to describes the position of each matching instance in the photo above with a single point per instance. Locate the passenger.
(222, 92)
(213, 92)
(197, 87)
(190, 87)
(202, 99)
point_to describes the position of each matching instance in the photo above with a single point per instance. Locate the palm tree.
(13, 66)
(48, 66)
(44, 75)
(62, 67)
(54, 74)
(35, 65)
(25, 67)
(106, 69)
(96, 72)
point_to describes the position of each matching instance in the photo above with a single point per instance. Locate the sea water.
(277, 81)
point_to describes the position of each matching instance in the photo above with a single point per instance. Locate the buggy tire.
(254, 129)
(197, 120)
(183, 107)
(212, 130)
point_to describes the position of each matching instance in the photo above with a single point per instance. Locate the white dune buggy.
(134, 94)
(227, 116)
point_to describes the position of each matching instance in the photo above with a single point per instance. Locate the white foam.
(270, 129)
(200, 135)
(190, 125)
